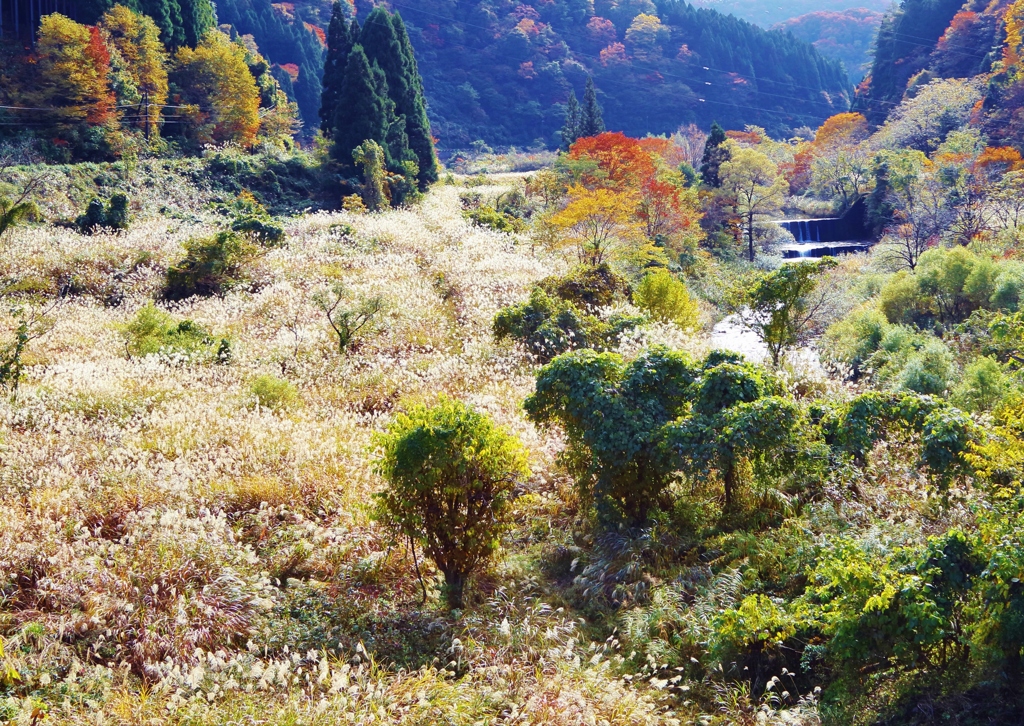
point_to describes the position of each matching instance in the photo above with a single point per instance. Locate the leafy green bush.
(612, 413)
(488, 216)
(114, 215)
(982, 385)
(211, 266)
(274, 393)
(451, 473)
(666, 298)
(548, 326)
(587, 286)
(853, 339)
(154, 332)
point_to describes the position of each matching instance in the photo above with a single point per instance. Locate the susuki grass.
(171, 552)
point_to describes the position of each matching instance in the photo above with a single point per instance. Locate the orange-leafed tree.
(217, 83)
(620, 161)
(843, 129)
(74, 64)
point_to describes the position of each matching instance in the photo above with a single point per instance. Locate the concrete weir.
(828, 236)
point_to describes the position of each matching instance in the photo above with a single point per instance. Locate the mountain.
(501, 71)
(779, 11)
(846, 35)
(922, 40)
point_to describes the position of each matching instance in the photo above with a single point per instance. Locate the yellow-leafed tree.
(73, 67)
(216, 82)
(137, 38)
(601, 225)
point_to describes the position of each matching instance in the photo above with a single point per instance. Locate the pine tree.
(715, 154)
(339, 45)
(592, 123)
(571, 129)
(361, 111)
(414, 108)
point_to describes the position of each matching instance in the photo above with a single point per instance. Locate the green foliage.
(487, 216)
(549, 326)
(588, 286)
(751, 636)
(591, 119)
(781, 306)
(274, 393)
(664, 297)
(155, 332)
(451, 473)
(114, 215)
(613, 414)
(716, 153)
(370, 156)
(853, 339)
(253, 222)
(982, 386)
(736, 417)
(349, 320)
(211, 266)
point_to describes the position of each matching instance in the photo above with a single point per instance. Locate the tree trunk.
(454, 588)
(750, 236)
(729, 477)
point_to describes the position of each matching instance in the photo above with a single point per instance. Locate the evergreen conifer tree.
(414, 108)
(361, 110)
(339, 45)
(715, 154)
(592, 123)
(197, 18)
(382, 49)
(571, 129)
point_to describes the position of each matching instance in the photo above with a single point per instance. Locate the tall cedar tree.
(383, 51)
(361, 112)
(571, 129)
(382, 39)
(340, 38)
(715, 154)
(421, 140)
(592, 123)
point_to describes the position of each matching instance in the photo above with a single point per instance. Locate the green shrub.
(666, 298)
(902, 303)
(261, 231)
(274, 393)
(487, 216)
(115, 215)
(982, 386)
(211, 266)
(549, 326)
(588, 286)
(154, 332)
(451, 473)
(855, 338)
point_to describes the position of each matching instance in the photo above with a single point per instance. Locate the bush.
(274, 393)
(114, 216)
(487, 216)
(982, 386)
(665, 298)
(211, 266)
(855, 338)
(549, 326)
(154, 332)
(451, 474)
(588, 286)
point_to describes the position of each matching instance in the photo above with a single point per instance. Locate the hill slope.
(501, 72)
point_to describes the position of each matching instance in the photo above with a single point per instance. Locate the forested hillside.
(502, 72)
(768, 14)
(846, 35)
